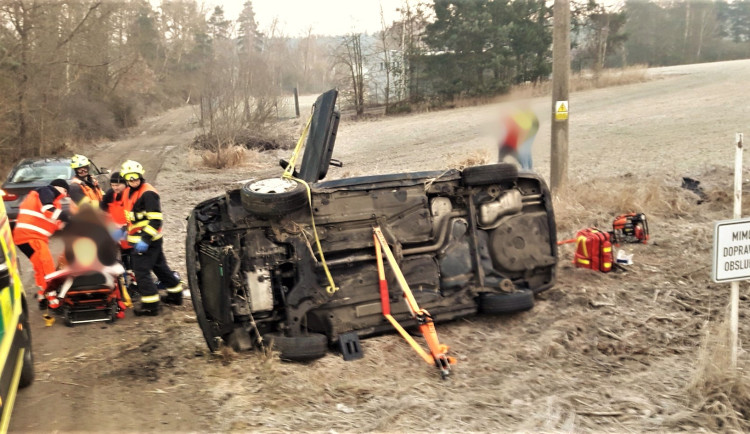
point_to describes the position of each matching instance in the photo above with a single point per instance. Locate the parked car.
(33, 173)
(478, 240)
(17, 362)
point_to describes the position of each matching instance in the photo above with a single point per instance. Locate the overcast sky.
(327, 17)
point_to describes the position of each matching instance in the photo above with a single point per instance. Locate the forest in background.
(73, 72)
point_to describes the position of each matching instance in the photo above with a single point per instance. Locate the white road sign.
(731, 256)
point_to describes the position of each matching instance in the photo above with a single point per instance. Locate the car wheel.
(499, 303)
(273, 196)
(191, 263)
(27, 372)
(490, 174)
(298, 348)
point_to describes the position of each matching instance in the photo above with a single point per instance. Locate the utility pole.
(560, 106)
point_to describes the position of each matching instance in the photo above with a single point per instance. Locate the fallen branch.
(68, 383)
(600, 413)
(610, 334)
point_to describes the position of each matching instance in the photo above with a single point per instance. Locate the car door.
(101, 175)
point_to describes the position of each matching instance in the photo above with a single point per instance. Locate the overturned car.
(478, 240)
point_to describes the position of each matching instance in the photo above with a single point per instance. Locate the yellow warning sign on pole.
(561, 110)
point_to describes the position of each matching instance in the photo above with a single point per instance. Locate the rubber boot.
(174, 295)
(147, 309)
(174, 298)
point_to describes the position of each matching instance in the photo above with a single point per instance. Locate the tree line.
(659, 33)
(72, 71)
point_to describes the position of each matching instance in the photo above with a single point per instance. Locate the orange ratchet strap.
(437, 355)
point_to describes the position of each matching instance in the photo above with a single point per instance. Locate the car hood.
(24, 187)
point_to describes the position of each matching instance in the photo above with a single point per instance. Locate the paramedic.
(39, 216)
(520, 130)
(83, 187)
(113, 203)
(144, 233)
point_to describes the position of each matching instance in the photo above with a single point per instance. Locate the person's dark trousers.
(143, 264)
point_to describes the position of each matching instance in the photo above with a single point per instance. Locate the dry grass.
(475, 158)
(585, 80)
(595, 203)
(231, 157)
(718, 395)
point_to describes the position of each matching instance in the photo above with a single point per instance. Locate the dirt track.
(598, 352)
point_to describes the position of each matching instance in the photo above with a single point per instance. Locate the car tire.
(191, 263)
(490, 174)
(273, 196)
(499, 303)
(298, 348)
(27, 372)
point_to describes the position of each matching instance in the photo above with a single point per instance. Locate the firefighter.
(520, 130)
(39, 216)
(144, 233)
(84, 188)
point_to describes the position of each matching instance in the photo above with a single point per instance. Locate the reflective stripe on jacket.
(142, 222)
(37, 221)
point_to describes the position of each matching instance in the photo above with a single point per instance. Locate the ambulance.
(17, 368)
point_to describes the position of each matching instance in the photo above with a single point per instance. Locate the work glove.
(141, 247)
(119, 234)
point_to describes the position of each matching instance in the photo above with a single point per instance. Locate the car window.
(41, 172)
(93, 170)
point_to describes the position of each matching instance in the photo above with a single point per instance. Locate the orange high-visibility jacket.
(93, 195)
(37, 220)
(116, 211)
(143, 221)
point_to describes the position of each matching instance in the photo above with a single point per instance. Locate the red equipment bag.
(593, 250)
(630, 228)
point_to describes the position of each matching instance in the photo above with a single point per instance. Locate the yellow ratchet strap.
(289, 174)
(289, 171)
(438, 352)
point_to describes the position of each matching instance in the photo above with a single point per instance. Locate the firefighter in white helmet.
(144, 233)
(84, 188)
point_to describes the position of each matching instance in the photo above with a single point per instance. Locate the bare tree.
(349, 54)
(386, 57)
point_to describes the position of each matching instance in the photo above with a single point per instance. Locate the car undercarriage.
(478, 240)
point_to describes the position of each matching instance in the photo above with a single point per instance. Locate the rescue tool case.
(593, 250)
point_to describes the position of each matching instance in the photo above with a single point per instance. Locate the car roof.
(44, 159)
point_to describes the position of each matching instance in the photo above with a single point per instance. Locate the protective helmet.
(129, 168)
(78, 161)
